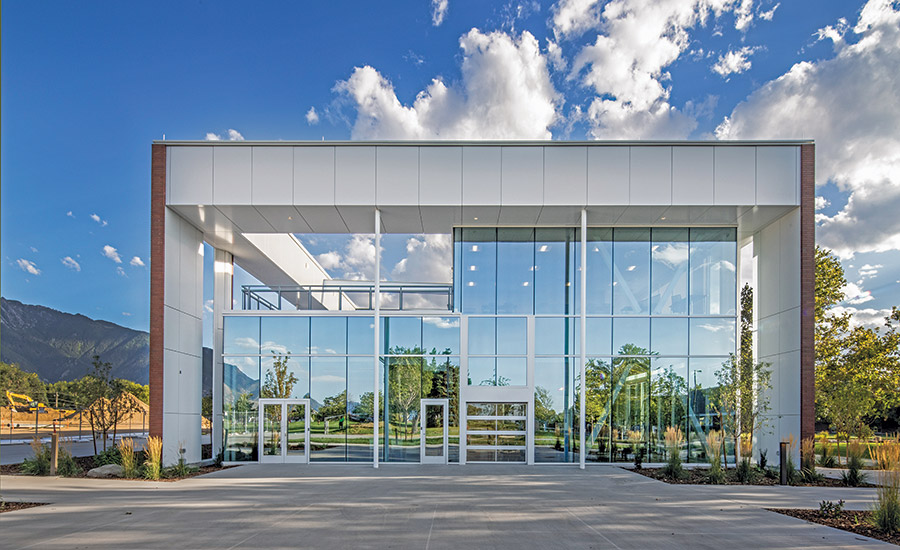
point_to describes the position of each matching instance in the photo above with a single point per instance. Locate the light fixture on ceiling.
(471, 283)
(631, 267)
(543, 248)
(475, 218)
(474, 248)
(471, 268)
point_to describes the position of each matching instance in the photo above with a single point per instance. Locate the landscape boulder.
(107, 470)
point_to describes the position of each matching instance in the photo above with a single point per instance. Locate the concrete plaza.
(413, 506)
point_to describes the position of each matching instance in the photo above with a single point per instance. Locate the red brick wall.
(807, 290)
(157, 283)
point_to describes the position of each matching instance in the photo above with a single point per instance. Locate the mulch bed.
(698, 476)
(87, 462)
(857, 522)
(13, 506)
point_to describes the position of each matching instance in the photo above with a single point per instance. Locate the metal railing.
(348, 296)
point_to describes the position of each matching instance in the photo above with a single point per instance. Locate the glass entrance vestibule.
(506, 364)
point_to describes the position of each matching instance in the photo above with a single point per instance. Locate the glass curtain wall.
(661, 308)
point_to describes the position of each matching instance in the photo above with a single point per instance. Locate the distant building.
(595, 294)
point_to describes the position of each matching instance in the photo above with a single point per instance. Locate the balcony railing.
(348, 296)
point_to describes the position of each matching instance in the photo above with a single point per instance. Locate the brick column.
(157, 283)
(807, 290)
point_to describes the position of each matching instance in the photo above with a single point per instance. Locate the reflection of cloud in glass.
(243, 362)
(272, 347)
(441, 322)
(246, 342)
(326, 378)
(671, 254)
(715, 328)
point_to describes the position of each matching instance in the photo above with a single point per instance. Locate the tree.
(279, 382)
(742, 398)
(140, 391)
(543, 407)
(15, 380)
(333, 406)
(365, 405)
(108, 403)
(408, 381)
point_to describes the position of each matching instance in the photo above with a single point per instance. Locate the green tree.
(365, 405)
(15, 380)
(279, 382)
(140, 391)
(543, 408)
(333, 406)
(108, 406)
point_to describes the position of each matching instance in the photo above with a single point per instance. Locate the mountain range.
(60, 346)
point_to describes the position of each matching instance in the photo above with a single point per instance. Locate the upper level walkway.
(348, 296)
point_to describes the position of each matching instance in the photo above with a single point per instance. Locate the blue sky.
(87, 86)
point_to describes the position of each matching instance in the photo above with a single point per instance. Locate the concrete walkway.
(413, 506)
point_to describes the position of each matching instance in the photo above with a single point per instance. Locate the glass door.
(433, 439)
(283, 430)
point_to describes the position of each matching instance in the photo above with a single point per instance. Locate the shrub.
(854, 476)
(830, 509)
(886, 455)
(763, 459)
(714, 440)
(181, 468)
(789, 459)
(220, 457)
(673, 438)
(744, 471)
(808, 461)
(66, 466)
(112, 455)
(886, 513)
(129, 460)
(153, 465)
(828, 459)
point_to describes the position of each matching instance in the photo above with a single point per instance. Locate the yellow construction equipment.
(21, 403)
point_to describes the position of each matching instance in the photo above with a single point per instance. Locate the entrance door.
(283, 430)
(433, 439)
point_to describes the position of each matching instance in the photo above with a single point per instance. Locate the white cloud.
(312, 117)
(834, 33)
(111, 253)
(28, 266)
(121, 272)
(848, 104)
(231, 135)
(734, 62)
(69, 262)
(822, 203)
(672, 254)
(137, 261)
(439, 11)
(869, 270)
(854, 295)
(866, 317)
(246, 342)
(208, 306)
(356, 262)
(428, 260)
(625, 65)
(769, 15)
(126, 314)
(70, 214)
(97, 219)
(503, 77)
(743, 15)
(33, 249)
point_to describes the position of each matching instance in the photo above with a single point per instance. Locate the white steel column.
(376, 306)
(583, 330)
(223, 279)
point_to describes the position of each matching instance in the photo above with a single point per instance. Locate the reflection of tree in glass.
(408, 381)
(669, 405)
(333, 407)
(543, 408)
(279, 382)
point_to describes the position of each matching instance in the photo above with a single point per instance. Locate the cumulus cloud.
(625, 65)
(230, 135)
(503, 76)
(854, 295)
(428, 259)
(111, 253)
(28, 266)
(865, 317)
(69, 262)
(439, 11)
(734, 62)
(70, 214)
(769, 14)
(312, 117)
(869, 270)
(848, 104)
(356, 262)
(121, 272)
(821, 203)
(97, 219)
(137, 261)
(743, 15)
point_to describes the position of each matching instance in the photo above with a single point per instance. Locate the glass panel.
(360, 434)
(630, 406)
(443, 374)
(511, 440)
(328, 335)
(511, 371)
(599, 336)
(511, 409)
(713, 257)
(668, 286)
(597, 400)
(515, 270)
(508, 455)
(272, 430)
(511, 425)
(440, 335)
(631, 284)
(482, 335)
(631, 336)
(403, 395)
(599, 271)
(284, 335)
(511, 336)
(285, 377)
(712, 336)
(482, 371)
(554, 398)
(240, 402)
(481, 409)
(481, 439)
(479, 270)
(481, 455)
(360, 335)
(669, 336)
(328, 398)
(702, 408)
(668, 402)
(296, 430)
(434, 430)
(554, 336)
(554, 270)
(402, 335)
(482, 425)
(241, 335)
